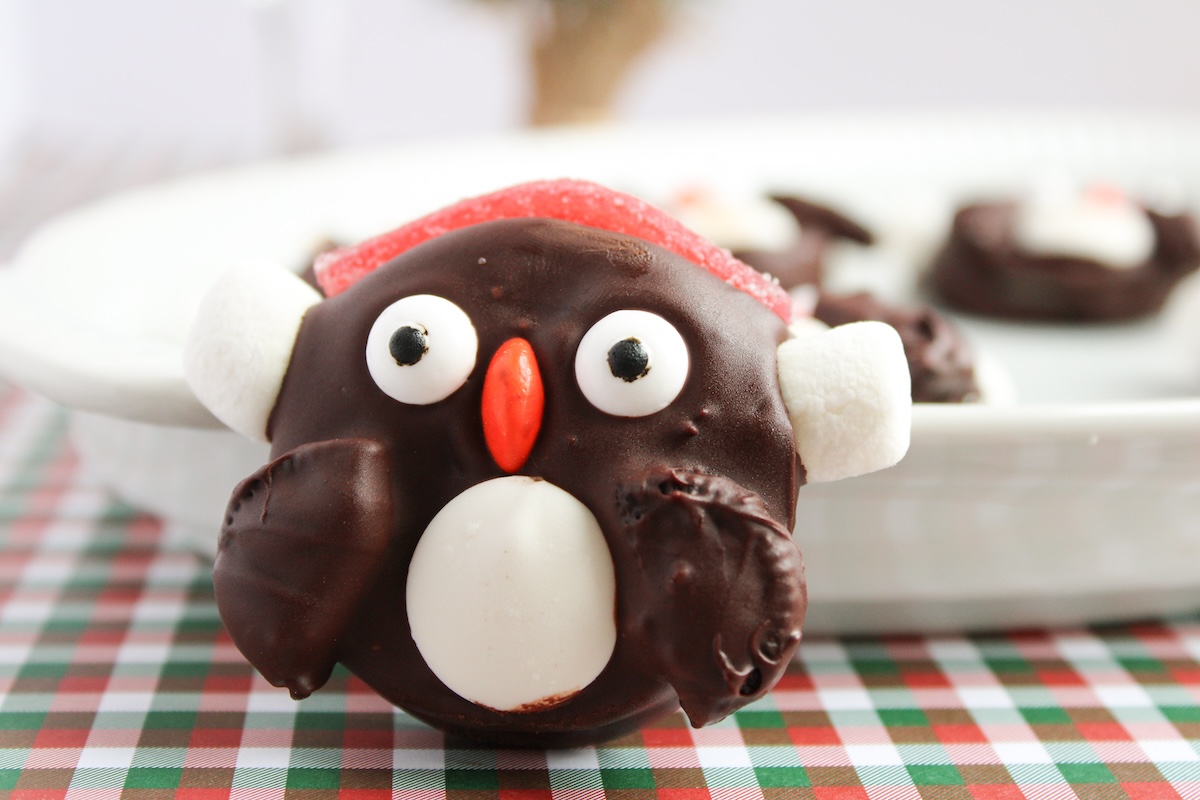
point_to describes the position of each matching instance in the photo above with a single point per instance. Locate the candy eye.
(631, 364)
(421, 348)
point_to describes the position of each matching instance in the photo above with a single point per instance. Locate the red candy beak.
(513, 400)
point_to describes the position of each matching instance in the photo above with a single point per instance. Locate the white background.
(216, 74)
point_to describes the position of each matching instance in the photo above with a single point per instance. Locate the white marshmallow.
(849, 397)
(512, 595)
(239, 346)
(1099, 226)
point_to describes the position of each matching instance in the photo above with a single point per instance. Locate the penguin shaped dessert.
(535, 463)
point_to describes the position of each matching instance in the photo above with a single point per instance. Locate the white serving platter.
(1079, 503)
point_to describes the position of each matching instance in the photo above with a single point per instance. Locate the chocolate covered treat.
(803, 262)
(940, 361)
(534, 465)
(1097, 257)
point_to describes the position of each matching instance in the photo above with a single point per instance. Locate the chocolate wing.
(303, 540)
(721, 589)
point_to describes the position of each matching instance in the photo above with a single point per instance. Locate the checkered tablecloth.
(118, 680)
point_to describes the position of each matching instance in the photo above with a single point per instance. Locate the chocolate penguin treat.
(802, 262)
(941, 363)
(1094, 257)
(535, 461)
(783, 235)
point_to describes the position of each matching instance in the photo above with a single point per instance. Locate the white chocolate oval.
(512, 595)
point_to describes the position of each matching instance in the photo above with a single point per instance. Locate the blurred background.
(106, 94)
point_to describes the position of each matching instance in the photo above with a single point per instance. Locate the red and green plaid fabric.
(118, 681)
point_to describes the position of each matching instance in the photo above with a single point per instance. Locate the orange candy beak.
(513, 400)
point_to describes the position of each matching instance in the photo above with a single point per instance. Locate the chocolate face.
(675, 492)
(982, 270)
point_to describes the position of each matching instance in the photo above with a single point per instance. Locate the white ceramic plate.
(1077, 504)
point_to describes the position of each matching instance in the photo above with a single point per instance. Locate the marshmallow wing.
(239, 347)
(849, 396)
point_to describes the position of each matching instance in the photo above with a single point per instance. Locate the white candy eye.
(631, 364)
(421, 348)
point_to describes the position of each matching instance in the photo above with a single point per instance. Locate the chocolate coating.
(981, 269)
(677, 520)
(723, 450)
(940, 361)
(803, 263)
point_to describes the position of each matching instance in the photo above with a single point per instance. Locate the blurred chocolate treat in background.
(1098, 258)
(940, 361)
(803, 262)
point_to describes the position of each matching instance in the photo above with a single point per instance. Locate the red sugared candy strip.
(569, 200)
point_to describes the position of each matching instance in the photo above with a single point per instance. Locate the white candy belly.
(512, 596)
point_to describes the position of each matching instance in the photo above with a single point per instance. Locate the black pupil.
(408, 345)
(628, 360)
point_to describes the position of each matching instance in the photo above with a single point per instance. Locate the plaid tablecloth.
(118, 680)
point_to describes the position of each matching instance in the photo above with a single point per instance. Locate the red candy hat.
(580, 202)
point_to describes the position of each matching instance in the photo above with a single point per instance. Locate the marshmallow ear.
(849, 396)
(239, 346)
